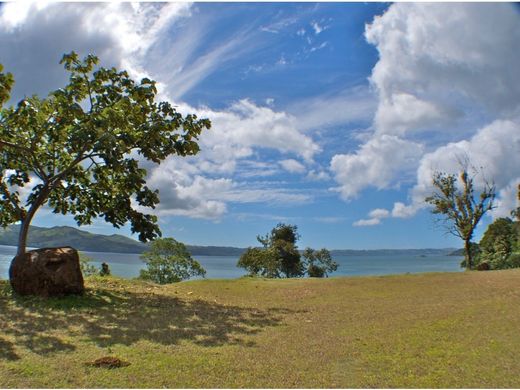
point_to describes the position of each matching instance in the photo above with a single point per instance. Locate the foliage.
(498, 244)
(168, 261)
(516, 212)
(319, 262)
(278, 257)
(459, 208)
(105, 270)
(87, 269)
(260, 261)
(76, 150)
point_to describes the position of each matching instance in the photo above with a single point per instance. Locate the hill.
(84, 241)
(437, 330)
(69, 236)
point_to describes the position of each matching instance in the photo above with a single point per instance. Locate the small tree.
(87, 269)
(319, 262)
(279, 255)
(76, 150)
(168, 261)
(460, 211)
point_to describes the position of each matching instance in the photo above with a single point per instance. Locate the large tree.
(459, 207)
(79, 149)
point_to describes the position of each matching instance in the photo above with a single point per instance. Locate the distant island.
(90, 242)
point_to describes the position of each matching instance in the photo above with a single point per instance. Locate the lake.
(224, 267)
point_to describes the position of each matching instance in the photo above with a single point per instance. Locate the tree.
(497, 243)
(460, 210)
(79, 149)
(168, 261)
(279, 255)
(319, 262)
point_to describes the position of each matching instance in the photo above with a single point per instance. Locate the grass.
(428, 330)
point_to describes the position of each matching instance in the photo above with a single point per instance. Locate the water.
(224, 267)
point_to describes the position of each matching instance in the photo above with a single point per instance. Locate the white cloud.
(375, 217)
(435, 60)
(379, 213)
(401, 210)
(507, 200)
(375, 164)
(292, 166)
(493, 151)
(447, 84)
(245, 125)
(318, 175)
(35, 35)
(367, 222)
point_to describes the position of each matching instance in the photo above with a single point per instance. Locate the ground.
(428, 330)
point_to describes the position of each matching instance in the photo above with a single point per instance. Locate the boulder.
(47, 272)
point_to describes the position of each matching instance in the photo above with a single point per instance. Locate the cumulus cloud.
(447, 70)
(435, 60)
(375, 164)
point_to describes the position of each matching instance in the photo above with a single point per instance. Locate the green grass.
(429, 330)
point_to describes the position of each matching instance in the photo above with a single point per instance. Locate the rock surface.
(47, 272)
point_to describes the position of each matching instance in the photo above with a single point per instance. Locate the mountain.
(68, 236)
(40, 237)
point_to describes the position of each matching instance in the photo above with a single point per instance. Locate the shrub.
(87, 269)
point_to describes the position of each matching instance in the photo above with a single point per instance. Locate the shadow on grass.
(107, 317)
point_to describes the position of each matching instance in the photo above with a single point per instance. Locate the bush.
(87, 269)
(514, 260)
(105, 270)
(168, 261)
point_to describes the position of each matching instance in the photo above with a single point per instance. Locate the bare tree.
(459, 208)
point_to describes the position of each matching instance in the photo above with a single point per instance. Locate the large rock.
(47, 272)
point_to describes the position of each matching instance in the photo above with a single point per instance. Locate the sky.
(329, 116)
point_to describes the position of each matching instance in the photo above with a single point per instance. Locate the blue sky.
(330, 116)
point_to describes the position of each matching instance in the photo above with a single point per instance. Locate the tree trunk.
(22, 236)
(26, 220)
(467, 249)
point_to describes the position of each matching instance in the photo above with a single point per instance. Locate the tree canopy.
(279, 256)
(168, 261)
(500, 244)
(80, 149)
(460, 209)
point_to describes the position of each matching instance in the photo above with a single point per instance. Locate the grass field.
(428, 330)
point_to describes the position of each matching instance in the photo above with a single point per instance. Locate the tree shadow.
(7, 350)
(125, 317)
